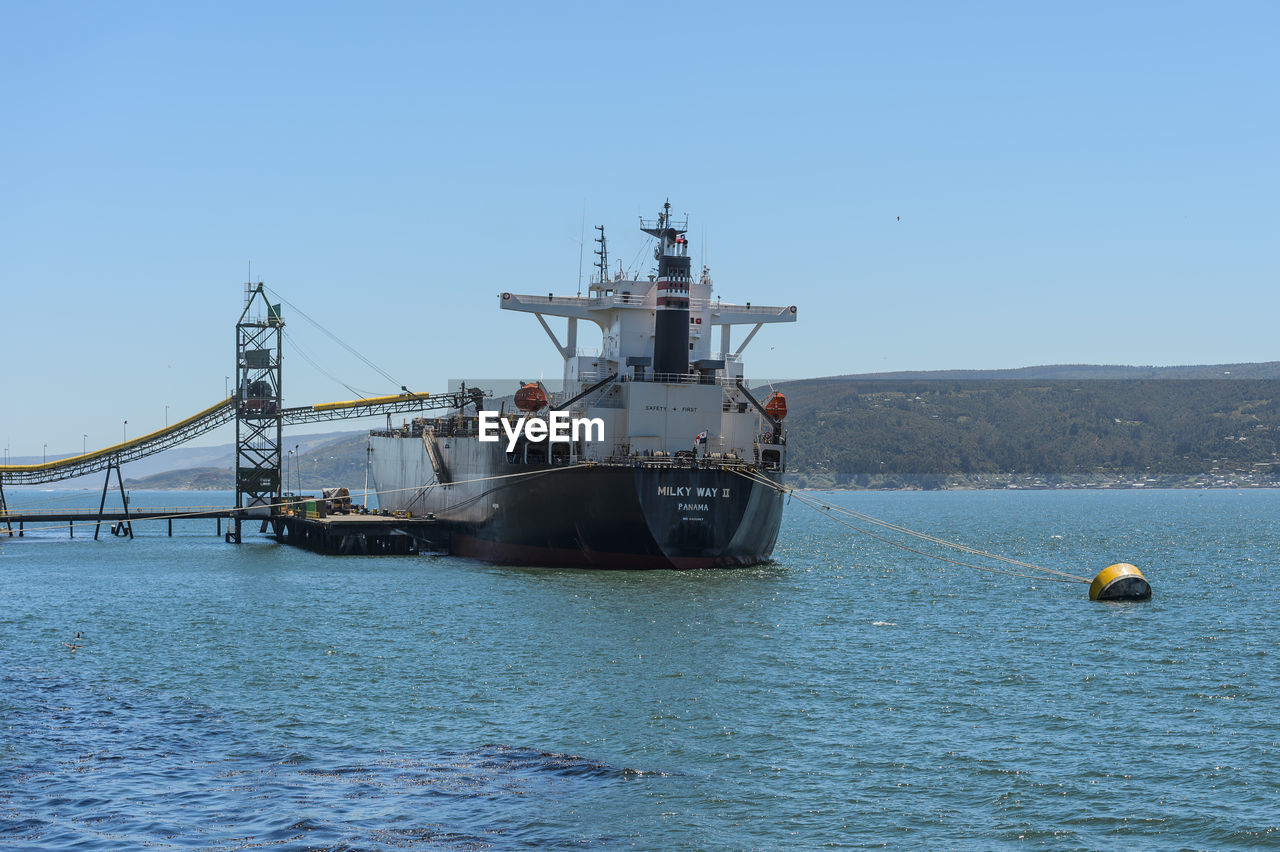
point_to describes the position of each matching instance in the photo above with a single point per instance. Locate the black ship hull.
(621, 517)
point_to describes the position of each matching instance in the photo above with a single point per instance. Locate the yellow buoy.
(1119, 582)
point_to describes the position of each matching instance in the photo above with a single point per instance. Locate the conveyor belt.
(213, 417)
(140, 447)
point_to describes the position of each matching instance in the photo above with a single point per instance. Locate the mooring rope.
(829, 512)
(824, 509)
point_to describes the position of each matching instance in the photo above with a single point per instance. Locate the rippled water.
(259, 696)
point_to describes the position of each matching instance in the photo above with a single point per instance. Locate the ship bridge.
(657, 329)
(625, 315)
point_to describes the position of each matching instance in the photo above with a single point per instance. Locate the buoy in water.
(1119, 582)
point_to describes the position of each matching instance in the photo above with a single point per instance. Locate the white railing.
(638, 299)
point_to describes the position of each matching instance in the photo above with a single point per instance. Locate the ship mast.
(603, 254)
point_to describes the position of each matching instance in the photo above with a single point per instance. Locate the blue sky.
(1077, 183)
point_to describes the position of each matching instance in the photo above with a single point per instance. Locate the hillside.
(854, 431)
(1081, 372)
(187, 479)
(1197, 425)
(339, 460)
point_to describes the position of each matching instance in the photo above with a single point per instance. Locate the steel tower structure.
(259, 414)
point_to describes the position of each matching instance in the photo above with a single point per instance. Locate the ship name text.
(691, 491)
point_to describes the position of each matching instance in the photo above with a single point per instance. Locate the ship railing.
(678, 460)
(140, 512)
(625, 298)
(636, 299)
(718, 378)
(748, 308)
(715, 305)
(639, 300)
(727, 382)
(686, 378)
(556, 300)
(444, 427)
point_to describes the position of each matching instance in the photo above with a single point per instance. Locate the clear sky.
(1077, 183)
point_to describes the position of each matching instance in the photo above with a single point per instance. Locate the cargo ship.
(677, 461)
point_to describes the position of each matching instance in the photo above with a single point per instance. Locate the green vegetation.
(861, 432)
(333, 463)
(1040, 427)
(340, 462)
(189, 479)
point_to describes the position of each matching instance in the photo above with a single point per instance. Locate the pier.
(259, 415)
(364, 535)
(351, 534)
(14, 523)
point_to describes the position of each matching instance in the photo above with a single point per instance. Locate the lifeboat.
(531, 397)
(776, 407)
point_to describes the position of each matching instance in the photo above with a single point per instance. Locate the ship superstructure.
(671, 478)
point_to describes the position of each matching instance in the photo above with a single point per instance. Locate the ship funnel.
(671, 328)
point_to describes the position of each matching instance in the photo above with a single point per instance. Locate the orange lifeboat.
(776, 407)
(531, 397)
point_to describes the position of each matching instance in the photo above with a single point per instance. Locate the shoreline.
(915, 482)
(1030, 482)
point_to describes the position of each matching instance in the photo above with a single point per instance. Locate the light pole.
(166, 417)
(297, 466)
(84, 445)
(44, 457)
(124, 432)
(226, 388)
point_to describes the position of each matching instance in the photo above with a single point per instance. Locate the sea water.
(184, 693)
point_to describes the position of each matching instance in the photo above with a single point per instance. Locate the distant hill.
(1205, 424)
(188, 479)
(332, 460)
(337, 462)
(1263, 370)
(187, 457)
(856, 430)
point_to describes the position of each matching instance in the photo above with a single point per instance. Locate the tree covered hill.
(340, 461)
(861, 427)
(952, 427)
(1261, 370)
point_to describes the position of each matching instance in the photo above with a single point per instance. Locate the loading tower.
(259, 413)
